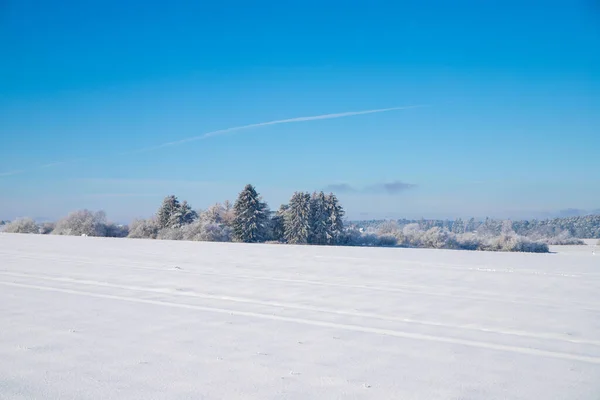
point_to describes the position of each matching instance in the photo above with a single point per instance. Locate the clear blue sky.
(511, 125)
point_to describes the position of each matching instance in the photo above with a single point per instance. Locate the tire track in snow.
(409, 289)
(332, 325)
(325, 310)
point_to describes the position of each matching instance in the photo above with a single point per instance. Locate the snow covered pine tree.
(297, 219)
(251, 217)
(173, 214)
(320, 228)
(336, 217)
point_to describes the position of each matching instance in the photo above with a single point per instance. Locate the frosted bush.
(412, 235)
(143, 229)
(206, 232)
(412, 230)
(116, 231)
(82, 223)
(368, 239)
(22, 225)
(213, 215)
(350, 237)
(388, 228)
(354, 237)
(191, 231)
(170, 234)
(47, 228)
(215, 233)
(556, 241)
(516, 243)
(562, 239)
(438, 238)
(441, 238)
(388, 240)
(468, 241)
(197, 231)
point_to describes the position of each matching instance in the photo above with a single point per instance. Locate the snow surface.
(90, 318)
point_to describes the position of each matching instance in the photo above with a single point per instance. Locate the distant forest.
(585, 227)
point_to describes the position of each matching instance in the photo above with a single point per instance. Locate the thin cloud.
(261, 124)
(389, 188)
(57, 163)
(395, 187)
(340, 188)
(9, 173)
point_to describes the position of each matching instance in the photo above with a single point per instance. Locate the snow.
(91, 318)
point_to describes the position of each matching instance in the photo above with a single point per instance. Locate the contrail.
(233, 129)
(9, 173)
(277, 122)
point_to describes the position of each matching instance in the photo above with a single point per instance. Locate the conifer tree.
(164, 215)
(336, 217)
(278, 223)
(297, 219)
(173, 214)
(183, 215)
(320, 228)
(251, 217)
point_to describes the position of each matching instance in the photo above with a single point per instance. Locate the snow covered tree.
(336, 217)
(82, 222)
(213, 214)
(388, 228)
(251, 217)
(458, 226)
(183, 215)
(173, 214)
(22, 225)
(187, 214)
(320, 228)
(143, 229)
(164, 215)
(471, 225)
(297, 219)
(47, 227)
(507, 227)
(228, 214)
(278, 224)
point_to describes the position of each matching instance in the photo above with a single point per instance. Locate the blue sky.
(510, 123)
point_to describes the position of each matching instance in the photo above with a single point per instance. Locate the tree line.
(307, 219)
(316, 219)
(578, 227)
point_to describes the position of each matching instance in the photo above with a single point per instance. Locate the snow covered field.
(90, 318)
